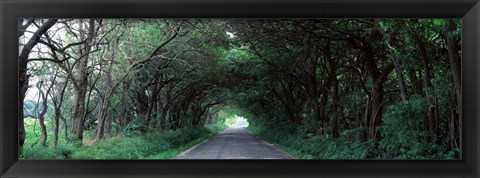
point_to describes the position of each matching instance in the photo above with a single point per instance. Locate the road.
(234, 143)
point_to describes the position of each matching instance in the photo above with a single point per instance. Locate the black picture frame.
(10, 11)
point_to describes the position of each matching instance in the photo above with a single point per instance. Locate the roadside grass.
(212, 129)
(164, 145)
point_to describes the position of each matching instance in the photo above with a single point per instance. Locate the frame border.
(468, 10)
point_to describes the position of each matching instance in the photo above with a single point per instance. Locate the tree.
(23, 77)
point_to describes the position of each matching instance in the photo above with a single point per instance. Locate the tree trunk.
(125, 116)
(41, 116)
(393, 53)
(56, 126)
(417, 84)
(324, 100)
(455, 66)
(313, 86)
(108, 126)
(163, 119)
(23, 77)
(425, 60)
(82, 80)
(401, 81)
(378, 77)
(142, 106)
(153, 105)
(332, 74)
(104, 114)
(101, 120)
(65, 129)
(78, 111)
(41, 119)
(335, 104)
(58, 101)
(376, 108)
(430, 119)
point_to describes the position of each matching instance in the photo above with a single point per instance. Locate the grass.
(212, 129)
(164, 145)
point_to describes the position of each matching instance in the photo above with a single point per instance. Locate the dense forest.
(317, 88)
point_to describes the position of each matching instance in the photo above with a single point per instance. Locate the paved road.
(234, 143)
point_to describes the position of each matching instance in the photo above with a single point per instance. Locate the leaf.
(438, 22)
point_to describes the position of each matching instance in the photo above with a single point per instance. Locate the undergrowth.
(164, 145)
(348, 145)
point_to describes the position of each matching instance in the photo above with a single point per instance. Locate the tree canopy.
(327, 88)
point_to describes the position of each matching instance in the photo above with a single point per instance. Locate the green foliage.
(438, 22)
(162, 145)
(132, 128)
(241, 53)
(403, 128)
(228, 115)
(403, 133)
(442, 85)
(41, 152)
(215, 128)
(121, 148)
(182, 135)
(316, 146)
(307, 85)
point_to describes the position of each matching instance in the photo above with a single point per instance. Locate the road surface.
(234, 143)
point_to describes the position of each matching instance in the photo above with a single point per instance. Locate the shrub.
(305, 145)
(402, 132)
(215, 128)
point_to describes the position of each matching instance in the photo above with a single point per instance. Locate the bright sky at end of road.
(241, 122)
(230, 35)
